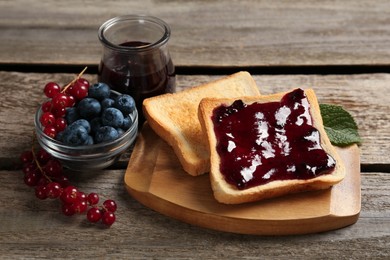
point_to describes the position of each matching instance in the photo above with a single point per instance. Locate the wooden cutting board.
(155, 178)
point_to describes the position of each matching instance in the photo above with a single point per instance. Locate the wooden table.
(341, 50)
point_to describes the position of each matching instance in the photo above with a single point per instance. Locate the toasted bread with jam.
(267, 146)
(174, 117)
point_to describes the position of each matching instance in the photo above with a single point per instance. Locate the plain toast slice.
(174, 117)
(229, 193)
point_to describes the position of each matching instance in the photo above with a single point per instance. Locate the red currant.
(67, 209)
(43, 156)
(31, 179)
(108, 218)
(93, 198)
(81, 196)
(52, 168)
(43, 181)
(51, 89)
(26, 157)
(46, 107)
(79, 92)
(109, 205)
(83, 81)
(29, 167)
(40, 192)
(69, 195)
(68, 90)
(71, 101)
(60, 101)
(63, 181)
(53, 190)
(94, 215)
(50, 131)
(47, 119)
(60, 124)
(58, 112)
(80, 206)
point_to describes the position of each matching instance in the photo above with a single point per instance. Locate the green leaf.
(340, 126)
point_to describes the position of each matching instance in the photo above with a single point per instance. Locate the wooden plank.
(22, 93)
(35, 229)
(205, 33)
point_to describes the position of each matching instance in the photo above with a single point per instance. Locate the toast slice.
(174, 117)
(271, 166)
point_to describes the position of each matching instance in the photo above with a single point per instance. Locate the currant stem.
(36, 160)
(74, 80)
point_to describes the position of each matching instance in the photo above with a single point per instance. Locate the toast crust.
(174, 117)
(227, 193)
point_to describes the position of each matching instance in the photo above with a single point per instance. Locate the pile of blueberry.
(90, 114)
(97, 118)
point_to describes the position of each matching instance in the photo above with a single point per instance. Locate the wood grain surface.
(205, 33)
(28, 225)
(319, 44)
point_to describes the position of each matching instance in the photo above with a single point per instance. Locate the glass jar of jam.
(135, 58)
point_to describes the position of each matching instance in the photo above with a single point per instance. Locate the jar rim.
(109, 23)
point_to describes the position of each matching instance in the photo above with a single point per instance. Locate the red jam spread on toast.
(263, 142)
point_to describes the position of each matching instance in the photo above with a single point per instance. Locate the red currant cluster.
(46, 175)
(54, 110)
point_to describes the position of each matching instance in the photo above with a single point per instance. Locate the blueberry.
(89, 140)
(125, 103)
(127, 123)
(106, 133)
(106, 103)
(59, 136)
(71, 115)
(89, 108)
(99, 91)
(112, 117)
(95, 123)
(120, 131)
(84, 123)
(76, 135)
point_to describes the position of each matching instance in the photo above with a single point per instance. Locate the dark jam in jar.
(142, 76)
(263, 142)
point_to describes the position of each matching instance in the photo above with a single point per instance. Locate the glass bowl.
(87, 157)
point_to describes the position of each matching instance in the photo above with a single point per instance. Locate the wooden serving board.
(155, 178)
